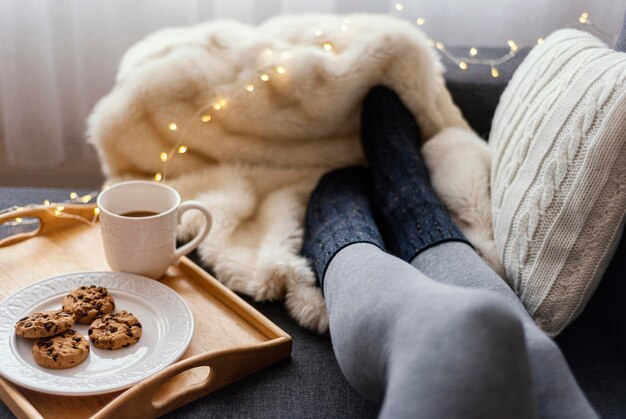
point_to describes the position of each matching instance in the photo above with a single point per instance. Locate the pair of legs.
(432, 332)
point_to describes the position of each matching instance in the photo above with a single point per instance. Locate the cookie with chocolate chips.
(88, 302)
(115, 331)
(43, 324)
(62, 351)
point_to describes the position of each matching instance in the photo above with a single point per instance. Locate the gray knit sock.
(410, 216)
(338, 214)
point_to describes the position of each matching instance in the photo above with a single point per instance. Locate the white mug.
(145, 245)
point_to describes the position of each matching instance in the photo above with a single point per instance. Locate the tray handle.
(225, 367)
(50, 218)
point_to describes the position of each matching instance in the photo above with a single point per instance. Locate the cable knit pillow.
(558, 174)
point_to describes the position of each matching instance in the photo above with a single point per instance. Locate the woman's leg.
(422, 348)
(558, 394)
(409, 211)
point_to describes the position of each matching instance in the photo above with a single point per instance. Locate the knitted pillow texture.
(558, 173)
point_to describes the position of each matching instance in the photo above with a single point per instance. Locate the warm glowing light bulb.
(512, 45)
(250, 88)
(399, 6)
(182, 149)
(205, 118)
(327, 46)
(60, 208)
(85, 199)
(46, 202)
(494, 72)
(440, 45)
(222, 102)
(172, 126)
(217, 106)
(96, 211)
(280, 69)
(420, 21)
(264, 77)
(158, 176)
(318, 32)
(463, 65)
(73, 195)
(539, 41)
(584, 17)
(431, 42)
(473, 51)
(163, 156)
(57, 213)
(18, 220)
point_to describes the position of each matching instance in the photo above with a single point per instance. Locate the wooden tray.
(231, 339)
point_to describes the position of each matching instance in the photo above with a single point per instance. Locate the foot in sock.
(412, 218)
(339, 214)
(557, 391)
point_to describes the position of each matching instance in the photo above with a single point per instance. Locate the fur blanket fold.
(256, 161)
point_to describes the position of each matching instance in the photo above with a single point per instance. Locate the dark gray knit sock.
(410, 215)
(338, 214)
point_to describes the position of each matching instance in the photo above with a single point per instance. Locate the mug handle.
(204, 231)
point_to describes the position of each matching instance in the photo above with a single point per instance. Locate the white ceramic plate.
(167, 330)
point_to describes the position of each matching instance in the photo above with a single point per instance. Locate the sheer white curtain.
(58, 57)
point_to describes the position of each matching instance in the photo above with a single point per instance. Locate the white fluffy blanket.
(256, 161)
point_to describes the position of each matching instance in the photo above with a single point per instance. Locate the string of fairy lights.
(271, 72)
(57, 209)
(472, 58)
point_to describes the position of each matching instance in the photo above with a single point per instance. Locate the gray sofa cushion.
(620, 42)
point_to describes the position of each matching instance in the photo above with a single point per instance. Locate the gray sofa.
(310, 384)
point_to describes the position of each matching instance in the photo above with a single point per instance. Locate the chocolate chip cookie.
(87, 303)
(115, 331)
(62, 351)
(43, 324)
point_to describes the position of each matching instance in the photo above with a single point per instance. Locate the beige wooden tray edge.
(138, 401)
